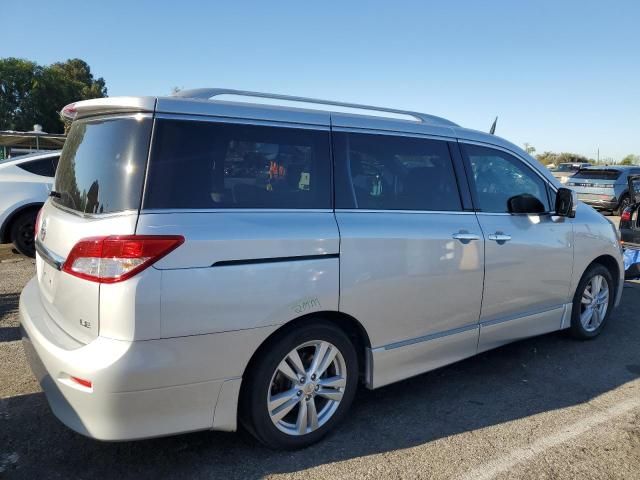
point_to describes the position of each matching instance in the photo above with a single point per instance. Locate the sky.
(560, 75)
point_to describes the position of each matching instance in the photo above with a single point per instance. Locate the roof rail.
(208, 93)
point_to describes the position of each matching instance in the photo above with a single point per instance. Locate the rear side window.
(387, 172)
(205, 165)
(598, 174)
(101, 168)
(45, 166)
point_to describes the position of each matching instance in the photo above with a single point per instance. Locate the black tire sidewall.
(254, 412)
(577, 329)
(22, 220)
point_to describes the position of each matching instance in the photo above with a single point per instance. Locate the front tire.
(592, 302)
(22, 233)
(301, 387)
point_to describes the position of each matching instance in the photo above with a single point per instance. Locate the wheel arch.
(5, 228)
(348, 324)
(610, 263)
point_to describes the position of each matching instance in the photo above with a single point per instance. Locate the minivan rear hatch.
(97, 192)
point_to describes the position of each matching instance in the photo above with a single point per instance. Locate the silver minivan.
(213, 264)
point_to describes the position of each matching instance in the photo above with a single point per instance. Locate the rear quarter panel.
(200, 296)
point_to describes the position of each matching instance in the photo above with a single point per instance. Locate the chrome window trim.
(240, 121)
(437, 212)
(152, 211)
(123, 213)
(395, 133)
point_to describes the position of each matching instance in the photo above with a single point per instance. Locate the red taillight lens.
(37, 226)
(70, 111)
(82, 381)
(626, 215)
(114, 259)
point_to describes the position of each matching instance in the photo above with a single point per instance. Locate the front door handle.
(465, 237)
(499, 237)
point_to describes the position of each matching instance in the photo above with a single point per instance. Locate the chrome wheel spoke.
(326, 361)
(330, 394)
(301, 422)
(585, 317)
(312, 414)
(321, 350)
(287, 371)
(296, 361)
(333, 382)
(282, 411)
(280, 398)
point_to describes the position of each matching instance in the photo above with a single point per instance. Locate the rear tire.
(22, 233)
(301, 387)
(592, 302)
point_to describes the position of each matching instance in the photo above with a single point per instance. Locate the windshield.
(102, 165)
(598, 174)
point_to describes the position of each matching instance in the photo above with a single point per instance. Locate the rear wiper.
(55, 194)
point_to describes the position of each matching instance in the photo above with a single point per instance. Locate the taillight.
(116, 258)
(70, 112)
(626, 215)
(37, 226)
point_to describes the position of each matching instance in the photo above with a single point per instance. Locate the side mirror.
(525, 203)
(566, 203)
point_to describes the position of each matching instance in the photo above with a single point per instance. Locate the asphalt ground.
(545, 408)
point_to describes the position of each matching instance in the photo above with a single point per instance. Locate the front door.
(528, 257)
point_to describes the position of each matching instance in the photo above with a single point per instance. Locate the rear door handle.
(465, 237)
(499, 237)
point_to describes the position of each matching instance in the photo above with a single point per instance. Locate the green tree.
(630, 160)
(30, 93)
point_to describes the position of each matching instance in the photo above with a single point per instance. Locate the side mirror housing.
(525, 204)
(566, 203)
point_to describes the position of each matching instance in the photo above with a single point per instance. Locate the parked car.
(604, 188)
(630, 229)
(25, 183)
(565, 170)
(205, 264)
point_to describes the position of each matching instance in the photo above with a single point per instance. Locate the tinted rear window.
(102, 165)
(45, 167)
(387, 172)
(598, 174)
(206, 165)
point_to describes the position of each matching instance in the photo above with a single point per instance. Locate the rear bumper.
(140, 389)
(605, 203)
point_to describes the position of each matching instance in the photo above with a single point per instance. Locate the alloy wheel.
(307, 387)
(594, 303)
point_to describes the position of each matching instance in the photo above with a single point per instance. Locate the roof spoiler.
(99, 106)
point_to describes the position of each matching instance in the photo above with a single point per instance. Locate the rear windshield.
(102, 165)
(598, 174)
(207, 165)
(567, 167)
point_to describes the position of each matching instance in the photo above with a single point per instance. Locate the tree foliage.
(631, 160)
(556, 158)
(31, 93)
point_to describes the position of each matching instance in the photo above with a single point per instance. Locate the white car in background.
(25, 183)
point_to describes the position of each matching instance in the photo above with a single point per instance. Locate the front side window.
(207, 165)
(389, 172)
(499, 176)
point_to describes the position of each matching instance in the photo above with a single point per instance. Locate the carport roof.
(33, 140)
